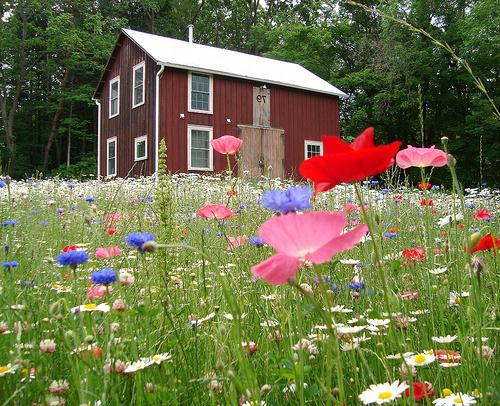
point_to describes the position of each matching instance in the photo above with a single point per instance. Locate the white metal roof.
(187, 55)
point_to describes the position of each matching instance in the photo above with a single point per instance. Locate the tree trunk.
(55, 122)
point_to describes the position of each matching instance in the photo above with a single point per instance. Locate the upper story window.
(312, 148)
(200, 152)
(114, 97)
(138, 85)
(200, 93)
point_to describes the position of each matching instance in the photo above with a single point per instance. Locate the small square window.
(200, 153)
(200, 93)
(312, 148)
(114, 97)
(141, 148)
(138, 85)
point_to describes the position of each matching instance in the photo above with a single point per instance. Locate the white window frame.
(211, 150)
(210, 96)
(109, 141)
(137, 140)
(314, 143)
(111, 82)
(136, 67)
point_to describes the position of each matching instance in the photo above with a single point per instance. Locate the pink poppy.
(98, 291)
(313, 237)
(218, 211)
(108, 252)
(227, 144)
(483, 214)
(237, 241)
(421, 157)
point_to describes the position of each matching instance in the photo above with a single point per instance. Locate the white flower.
(455, 399)
(138, 365)
(159, 358)
(398, 355)
(420, 359)
(7, 369)
(269, 323)
(349, 329)
(378, 322)
(449, 364)
(438, 271)
(444, 340)
(349, 346)
(350, 261)
(446, 220)
(340, 309)
(91, 307)
(383, 393)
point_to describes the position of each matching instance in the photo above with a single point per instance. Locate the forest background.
(52, 53)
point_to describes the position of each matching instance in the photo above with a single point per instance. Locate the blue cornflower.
(2, 184)
(9, 223)
(329, 282)
(435, 187)
(356, 285)
(73, 207)
(257, 241)
(384, 191)
(149, 199)
(469, 205)
(9, 265)
(375, 182)
(138, 240)
(6, 248)
(348, 200)
(390, 235)
(44, 223)
(293, 199)
(72, 258)
(90, 199)
(71, 185)
(34, 212)
(104, 277)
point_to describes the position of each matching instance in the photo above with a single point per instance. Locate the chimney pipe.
(190, 30)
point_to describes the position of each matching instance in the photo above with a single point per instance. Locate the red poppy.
(111, 231)
(424, 202)
(231, 192)
(424, 186)
(414, 254)
(483, 214)
(421, 390)
(343, 162)
(486, 243)
(69, 248)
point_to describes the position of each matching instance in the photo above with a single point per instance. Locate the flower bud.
(149, 246)
(451, 161)
(474, 239)
(444, 141)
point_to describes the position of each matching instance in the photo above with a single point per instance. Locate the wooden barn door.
(262, 151)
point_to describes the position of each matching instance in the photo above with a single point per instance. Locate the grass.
(195, 299)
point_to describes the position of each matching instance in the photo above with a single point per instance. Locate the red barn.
(156, 87)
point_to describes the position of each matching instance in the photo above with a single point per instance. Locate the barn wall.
(303, 115)
(130, 123)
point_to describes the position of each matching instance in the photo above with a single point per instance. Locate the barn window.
(200, 153)
(141, 148)
(111, 155)
(200, 93)
(312, 148)
(114, 97)
(138, 85)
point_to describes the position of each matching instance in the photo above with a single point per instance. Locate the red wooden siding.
(303, 115)
(130, 123)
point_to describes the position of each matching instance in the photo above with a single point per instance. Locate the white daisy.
(420, 359)
(7, 369)
(378, 322)
(350, 261)
(449, 364)
(398, 355)
(444, 340)
(340, 309)
(159, 358)
(349, 329)
(438, 271)
(455, 399)
(91, 307)
(269, 323)
(138, 365)
(383, 393)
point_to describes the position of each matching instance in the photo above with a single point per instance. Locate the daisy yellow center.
(458, 401)
(89, 306)
(384, 395)
(419, 359)
(4, 369)
(156, 358)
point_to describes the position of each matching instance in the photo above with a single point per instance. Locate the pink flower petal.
(227, 144)
(341, 243)
(299, 234)
(218, 211)
(421, 157)
(277, 269)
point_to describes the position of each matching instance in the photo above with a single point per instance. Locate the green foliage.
(85, 169)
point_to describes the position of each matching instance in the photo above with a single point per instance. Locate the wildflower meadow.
(355, 287)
